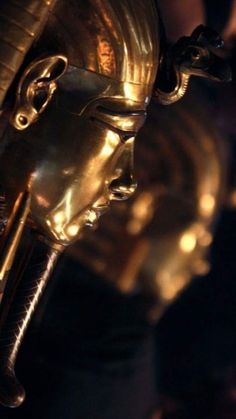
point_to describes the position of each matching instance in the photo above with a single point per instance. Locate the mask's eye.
(124, 136)
(118, 113)
(127, 137)
(126, 123)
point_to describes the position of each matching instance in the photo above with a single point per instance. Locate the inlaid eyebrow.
(111, 112)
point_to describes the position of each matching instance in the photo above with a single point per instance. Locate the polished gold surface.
(35, 90)
(196, 55)
(76, 79)
(13, 233)
(81, 150)
(117, 39)
(21, 22)
(26, 297)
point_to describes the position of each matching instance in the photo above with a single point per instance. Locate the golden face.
(78, 156)
(70, 151)
(80, 153)
(87, 163)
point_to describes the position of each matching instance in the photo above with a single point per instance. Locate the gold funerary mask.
(77, 113)
(81, 75)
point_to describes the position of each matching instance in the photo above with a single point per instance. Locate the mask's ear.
(36, 88)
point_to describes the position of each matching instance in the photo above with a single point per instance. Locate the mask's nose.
(124, 185)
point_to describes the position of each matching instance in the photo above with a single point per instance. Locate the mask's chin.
(92, 217)
(94, 214)
(74, 230)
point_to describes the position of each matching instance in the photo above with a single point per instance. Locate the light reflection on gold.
(188, 242)
(61, 217)
(133, 227)
(201, 267)
(42, 201)
(206, 239)
(128, 277)
(57, 229)
(232, 199)
(106, 55)
(91, 217)
(207, 204)
(126, 123)
(130, 90)
(58, 217)
(170, 285)
(72, 230)
(109, 145)
(68, 171)
(141, 213)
